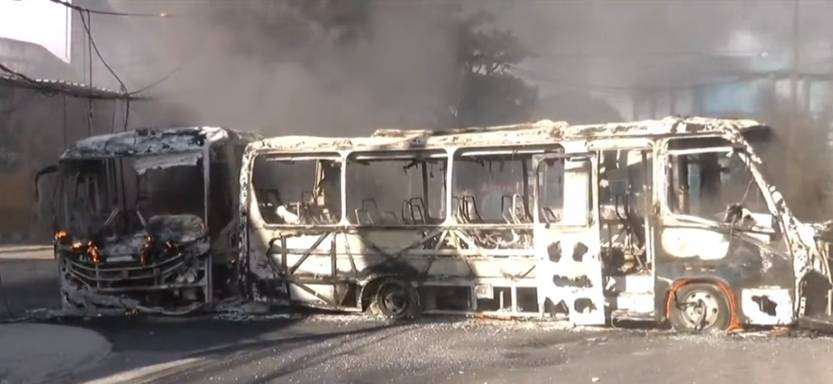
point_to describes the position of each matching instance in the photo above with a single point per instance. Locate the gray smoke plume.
(303, 67)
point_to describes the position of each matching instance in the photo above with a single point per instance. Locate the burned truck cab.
(144, 219)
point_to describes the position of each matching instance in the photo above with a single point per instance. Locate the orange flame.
(60, 235)
(93, 253)
(145, 248)
(76, 245)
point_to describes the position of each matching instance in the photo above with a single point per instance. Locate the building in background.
(43, 106)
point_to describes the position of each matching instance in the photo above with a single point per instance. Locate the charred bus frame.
(145, 220)
(596, 223)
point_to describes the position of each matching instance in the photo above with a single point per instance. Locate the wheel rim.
(700, 309)
(394, 299)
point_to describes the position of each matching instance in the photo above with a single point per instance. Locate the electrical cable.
(87, 28)
(110, 13)
(16, 73)
(157, 82)
(98, 53)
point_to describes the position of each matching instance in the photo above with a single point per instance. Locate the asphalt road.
(325, 348)
(335, 348)
(28, 280)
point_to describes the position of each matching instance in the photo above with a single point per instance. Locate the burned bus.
(666, 220)
(145, 220)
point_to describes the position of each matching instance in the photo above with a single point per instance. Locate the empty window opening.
(446, 298)
(624, 200)
(396, 189)
(174, 190)
(564, 190)
(109, 197)
(492, 188)
(501, 300)
(713, 185)
(527, 299)
(298, 191)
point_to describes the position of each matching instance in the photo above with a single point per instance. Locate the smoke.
(283, 68)
(346, 68)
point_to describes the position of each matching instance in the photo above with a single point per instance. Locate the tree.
(489, 93)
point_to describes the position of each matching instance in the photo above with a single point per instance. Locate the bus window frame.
(253, 207)
(502, 150)
(402, 154)
(591, 194)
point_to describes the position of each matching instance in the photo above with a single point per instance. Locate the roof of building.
(65, 87)
(541, 132)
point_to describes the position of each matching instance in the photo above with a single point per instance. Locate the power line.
(16, 73)
(86, 22)
(157, 82)
(97, 52)
(109, 13)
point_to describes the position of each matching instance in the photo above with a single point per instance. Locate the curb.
(25, 252)
(21, 238)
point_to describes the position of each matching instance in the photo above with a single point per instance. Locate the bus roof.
(150, 141)
(540, 132)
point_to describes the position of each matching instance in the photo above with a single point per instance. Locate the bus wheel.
(699, 308)
(395, 300)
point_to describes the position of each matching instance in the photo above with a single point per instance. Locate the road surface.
(346, 349)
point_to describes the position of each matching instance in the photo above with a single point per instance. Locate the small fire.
(61, 235)
(93, 253)
(145, 248)
(76, 246)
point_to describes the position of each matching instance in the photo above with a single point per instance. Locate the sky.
(37, 21)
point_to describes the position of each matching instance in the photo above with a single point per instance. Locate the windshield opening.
(108, 196)
(705, 184)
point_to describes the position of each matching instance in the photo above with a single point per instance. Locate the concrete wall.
(35, 127)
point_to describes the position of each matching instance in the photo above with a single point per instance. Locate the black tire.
(395, 300)
(699, 308)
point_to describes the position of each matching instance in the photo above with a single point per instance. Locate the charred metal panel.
(738, 249)
(573, 279)
(767, 306)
